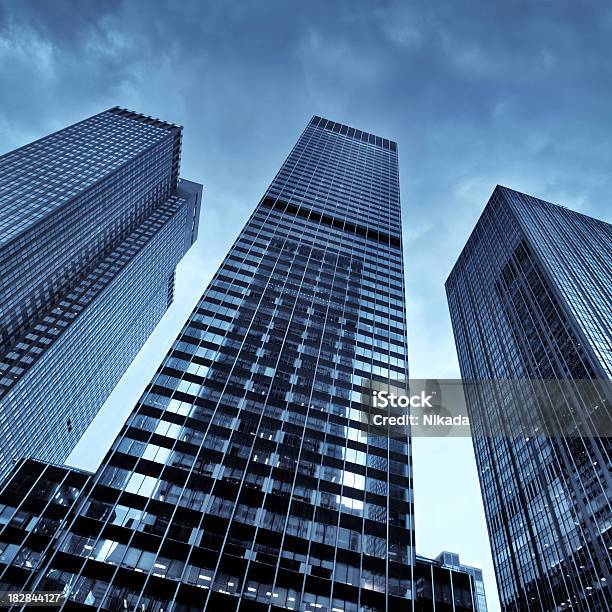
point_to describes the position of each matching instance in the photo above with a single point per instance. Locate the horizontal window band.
(347, 226)
(346, 130)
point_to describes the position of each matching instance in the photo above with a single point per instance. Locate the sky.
(476, 93)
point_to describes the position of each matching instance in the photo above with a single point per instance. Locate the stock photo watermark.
(496, 408)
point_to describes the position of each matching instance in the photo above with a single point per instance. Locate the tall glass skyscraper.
(245, 477)
(530, 298)
(93, 221)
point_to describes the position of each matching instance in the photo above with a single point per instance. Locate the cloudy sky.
(476, 93)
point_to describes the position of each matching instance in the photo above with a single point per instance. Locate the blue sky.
(476, 93)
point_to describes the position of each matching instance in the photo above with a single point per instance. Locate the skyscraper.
(530, 299)
(94, 220)
(245, 477)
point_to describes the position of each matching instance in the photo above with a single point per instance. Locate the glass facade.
(443, 584)
(244, 477)
(94, 220)
(530, 297)
(451, 561)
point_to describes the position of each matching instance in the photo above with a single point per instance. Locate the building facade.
(93, 221)
(445, 584)
(245, 477)
(530, 299)
(450, 560)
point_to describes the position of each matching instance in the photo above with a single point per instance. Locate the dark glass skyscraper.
(93, 221)
(245, 477)
(531, 298)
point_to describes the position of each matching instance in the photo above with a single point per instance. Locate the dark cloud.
(476, 93)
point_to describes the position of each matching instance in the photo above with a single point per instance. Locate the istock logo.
(384, 399)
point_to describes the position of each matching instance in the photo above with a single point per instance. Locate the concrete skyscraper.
(530, 299)
(93, 221)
